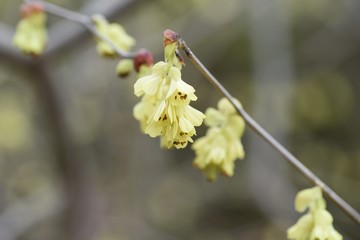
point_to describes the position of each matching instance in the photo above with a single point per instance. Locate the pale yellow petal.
(154, 129)
(147, 85)
(185, 125)
(160, 109)
(175, 73)
(171, 114)
(228, 168)
(226, 107)
(211, 172)
(186, 88)
(172, 89)
(193, 115)
(139, 110)
(302, 229)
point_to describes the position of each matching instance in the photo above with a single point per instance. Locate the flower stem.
(262, 133)
(84, 20)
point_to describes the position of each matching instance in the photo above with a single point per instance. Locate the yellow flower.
(175, 124)
(31, 35)
(317, 223)
(164, 109)
(221, 146)
(115, 33)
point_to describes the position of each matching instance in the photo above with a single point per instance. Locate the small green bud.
(124, 67)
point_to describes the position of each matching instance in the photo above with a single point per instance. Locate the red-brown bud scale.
(143, 56)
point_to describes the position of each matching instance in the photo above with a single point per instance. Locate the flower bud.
(124, 67)
(170, 37)
(143, 57)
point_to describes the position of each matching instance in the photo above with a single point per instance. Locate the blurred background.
(74, 164)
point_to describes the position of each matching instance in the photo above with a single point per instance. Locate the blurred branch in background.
(23, 214)
(77, 182)
(273, 83)
(320, 43)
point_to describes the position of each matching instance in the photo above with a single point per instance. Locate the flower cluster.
(164, 109)
(31, 35)
(115, 33)
(317, 223)
(221, 146)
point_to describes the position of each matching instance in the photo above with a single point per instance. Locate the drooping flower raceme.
(115, 33)
(31, 35)
(221, 146)
(165, 109)
(317, 223)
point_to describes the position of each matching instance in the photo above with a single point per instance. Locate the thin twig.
(84, 20)
(310, 176)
